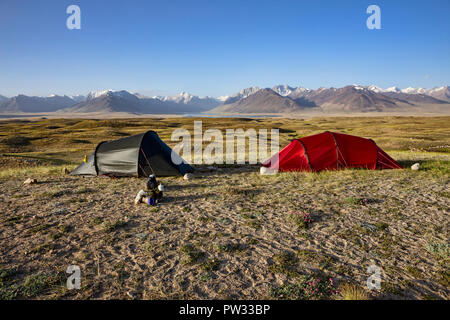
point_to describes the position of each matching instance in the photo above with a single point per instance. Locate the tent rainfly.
(330, 151)
(138, 155)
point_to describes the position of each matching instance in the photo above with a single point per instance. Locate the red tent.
(331, 151)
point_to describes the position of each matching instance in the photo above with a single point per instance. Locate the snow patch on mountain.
(283, 90)
(375, 89)
(244, 93)
(223, 98)
(411, 90)
(118, 93)
(436, 89)
(393, 89)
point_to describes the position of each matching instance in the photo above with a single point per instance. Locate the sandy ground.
(237, 221)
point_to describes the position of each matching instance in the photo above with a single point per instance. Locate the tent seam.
(306, 154)
(337, 149)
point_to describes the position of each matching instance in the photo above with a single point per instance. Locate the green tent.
(138, 155)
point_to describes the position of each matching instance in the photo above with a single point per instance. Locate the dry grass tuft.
(349, 291)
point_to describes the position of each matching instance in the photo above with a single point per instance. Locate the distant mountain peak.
(283, 90)
(412, 90)
(248, 91)
(393, 89)
(259, 101)
(223, 98)
(96, 94)
(242, 94)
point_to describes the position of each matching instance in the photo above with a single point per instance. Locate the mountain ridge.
(278, 99)
(262, 101)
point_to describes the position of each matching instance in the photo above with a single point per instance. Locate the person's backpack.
(152, 183)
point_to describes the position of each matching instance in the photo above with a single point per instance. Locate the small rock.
(369, 226)
(188, 176)
(415, 166)
(60, 211)
(56, 204)
(225, 221)
(266, 171)
(142, 236)
(30, 181)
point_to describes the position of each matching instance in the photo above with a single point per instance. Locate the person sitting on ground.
(154, 192)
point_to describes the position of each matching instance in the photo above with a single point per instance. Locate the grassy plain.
(229, 233)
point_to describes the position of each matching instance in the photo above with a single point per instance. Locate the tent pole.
(142, 169)
(147, 162)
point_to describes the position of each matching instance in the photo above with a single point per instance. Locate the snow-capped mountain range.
(353, 98)
(409, 90)
(285, 90)
(124, 101)
(373, 97)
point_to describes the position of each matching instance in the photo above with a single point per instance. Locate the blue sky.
(218, 47)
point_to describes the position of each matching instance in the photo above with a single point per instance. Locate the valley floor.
(230, 233)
